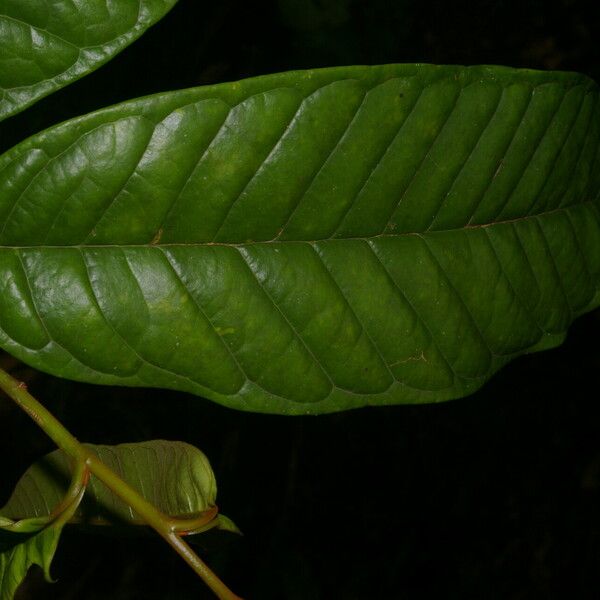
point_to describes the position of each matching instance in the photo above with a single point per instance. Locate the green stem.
(160, 522)
(184, 526)
(79, 481)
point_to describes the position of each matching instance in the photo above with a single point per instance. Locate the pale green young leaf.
(173, 476)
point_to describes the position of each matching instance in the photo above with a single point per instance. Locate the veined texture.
(310, 241)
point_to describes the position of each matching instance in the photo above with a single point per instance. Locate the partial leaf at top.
(45, 45)
(310, 241)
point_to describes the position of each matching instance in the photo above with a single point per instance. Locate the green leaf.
(19, 551)
(310, 241)
(33, 541)
(173, 476)
(46, 45)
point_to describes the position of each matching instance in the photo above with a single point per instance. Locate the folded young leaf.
(310, 241)
(173, 476)
(46, 45)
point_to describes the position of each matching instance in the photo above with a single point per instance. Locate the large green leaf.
(47, 44)
(310, 241)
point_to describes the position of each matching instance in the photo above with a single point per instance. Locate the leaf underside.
(310, 241)
(47, 44)
(175, 477)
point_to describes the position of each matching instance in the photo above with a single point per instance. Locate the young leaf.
(310, 241)
(173, 476)
(18, 552)
(33, 541)
(46, 45)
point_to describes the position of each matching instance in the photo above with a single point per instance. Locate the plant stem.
(160, 522)
(77, 487)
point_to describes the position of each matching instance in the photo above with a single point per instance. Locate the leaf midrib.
(277, 241)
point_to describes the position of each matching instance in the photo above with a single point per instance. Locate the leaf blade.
(240, 248)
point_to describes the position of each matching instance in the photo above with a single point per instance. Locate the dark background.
(492, 496)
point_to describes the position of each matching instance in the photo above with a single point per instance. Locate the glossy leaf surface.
(310, 241)
(173, 476)
(47, 44)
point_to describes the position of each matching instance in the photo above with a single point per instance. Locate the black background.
(492, 496)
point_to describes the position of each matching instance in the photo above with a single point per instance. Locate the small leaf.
(33, 541)
(309, 241)
(175, 477)
(46, 45)
(19, 551)
(226, 524)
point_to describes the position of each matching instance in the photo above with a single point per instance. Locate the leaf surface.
(45, 45)
(309, 241)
